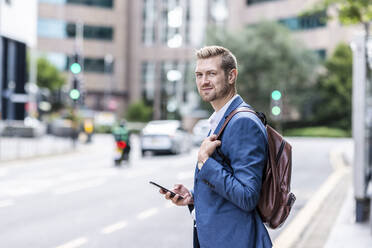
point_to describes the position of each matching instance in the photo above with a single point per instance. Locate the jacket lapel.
(236, 103)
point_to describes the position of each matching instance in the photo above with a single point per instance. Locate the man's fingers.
(168, 196)
(177, 187)
(175, 198)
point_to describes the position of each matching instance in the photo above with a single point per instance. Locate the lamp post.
(109, 87)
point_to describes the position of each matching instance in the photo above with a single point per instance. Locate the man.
(225, 194)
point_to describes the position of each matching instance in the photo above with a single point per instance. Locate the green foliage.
(317, 132)
(139, 111)
(268, 59)
(349, 11)
(333, 106)
(48, 76)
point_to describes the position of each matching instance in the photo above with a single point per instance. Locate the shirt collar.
(216, 117)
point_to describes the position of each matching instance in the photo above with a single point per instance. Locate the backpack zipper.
(280, 151)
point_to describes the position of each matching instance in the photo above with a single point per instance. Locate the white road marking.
(6, 203)
(146, 214)
(185, 175)
(80, 186)
(114, 227)
(74, 243)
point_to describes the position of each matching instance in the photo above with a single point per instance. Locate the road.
(81, 200)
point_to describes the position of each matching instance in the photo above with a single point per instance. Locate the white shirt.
(216, 117)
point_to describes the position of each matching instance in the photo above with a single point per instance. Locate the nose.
(204, 80)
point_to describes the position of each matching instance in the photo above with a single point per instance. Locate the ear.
(233, 74)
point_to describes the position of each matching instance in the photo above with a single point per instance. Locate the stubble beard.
(217, 95)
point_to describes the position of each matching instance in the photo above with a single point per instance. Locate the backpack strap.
(260, 115)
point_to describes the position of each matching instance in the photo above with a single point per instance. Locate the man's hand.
(207, 148)
(180, 190)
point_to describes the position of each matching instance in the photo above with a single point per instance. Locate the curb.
(292, 233)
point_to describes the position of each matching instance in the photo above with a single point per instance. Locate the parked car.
(165, 136)
(200, 131)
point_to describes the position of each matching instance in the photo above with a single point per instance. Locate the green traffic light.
(74, 94)
(275, 110)
(75, 68)
(276, 95)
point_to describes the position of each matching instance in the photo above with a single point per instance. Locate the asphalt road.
(82, 200)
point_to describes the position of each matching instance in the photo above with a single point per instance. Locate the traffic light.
(76, 69)
(75, 66)
(75, 92)
(276, 103)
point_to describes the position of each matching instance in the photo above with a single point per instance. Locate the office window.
(173, 23)
(59, 60)
(148, 18)
(148, 81)
(305, 22)
(97, 65)
(98, 32)
(59, 29)
(62, 62)
(250, 2)
(322, 53)
(50, 28)
(93, 3)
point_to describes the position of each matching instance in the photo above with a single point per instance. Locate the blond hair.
(228, 59)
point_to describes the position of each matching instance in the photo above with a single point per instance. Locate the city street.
(82, 200)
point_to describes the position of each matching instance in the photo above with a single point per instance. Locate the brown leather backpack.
(276, 200)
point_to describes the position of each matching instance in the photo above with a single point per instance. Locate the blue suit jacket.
(225, 199)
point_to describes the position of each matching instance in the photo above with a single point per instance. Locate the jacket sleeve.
(246, 147)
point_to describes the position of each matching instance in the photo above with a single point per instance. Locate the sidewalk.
(345, 231)
(328, 219)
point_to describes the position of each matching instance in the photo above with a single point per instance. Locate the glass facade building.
(93, 3)
(305, 22)
(59, 29)
(250, 2)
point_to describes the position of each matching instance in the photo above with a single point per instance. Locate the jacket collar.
(235, 104)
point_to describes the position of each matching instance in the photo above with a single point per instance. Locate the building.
(98, 31)
(17, 37)
(316, 34)
(131, 49)
(162, 52)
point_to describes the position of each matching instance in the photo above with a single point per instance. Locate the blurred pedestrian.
(226, 193)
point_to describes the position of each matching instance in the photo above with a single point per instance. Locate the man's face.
(210, 79)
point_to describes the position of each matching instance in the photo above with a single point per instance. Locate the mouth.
(206, 89)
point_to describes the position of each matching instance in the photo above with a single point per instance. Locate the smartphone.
(166, 190)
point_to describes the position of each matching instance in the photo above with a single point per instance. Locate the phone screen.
(166, 190)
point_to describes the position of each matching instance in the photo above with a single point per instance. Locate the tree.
(334, 88)
(139, 111)
(48, 76)
(269, 59)
(349, 11)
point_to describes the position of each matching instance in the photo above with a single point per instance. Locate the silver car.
(200, 131)
(165, 136)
